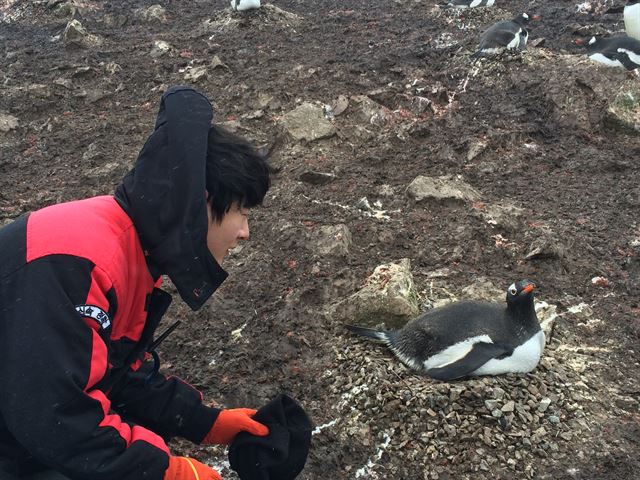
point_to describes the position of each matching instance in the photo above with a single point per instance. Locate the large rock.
(388, 297)
(307, 122)
(75, 35)
(8, 122)
(441, 188)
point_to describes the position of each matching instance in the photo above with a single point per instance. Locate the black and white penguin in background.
(618, 51)
(241, 5)
(632, 19)
(470, 338)
(467, 3)
(505, 35)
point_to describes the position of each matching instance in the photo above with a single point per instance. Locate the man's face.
(225, 235)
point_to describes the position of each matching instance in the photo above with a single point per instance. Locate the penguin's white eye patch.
(525, 15)
(512, 289)
(592, 41)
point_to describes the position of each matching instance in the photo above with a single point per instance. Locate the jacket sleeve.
(166, 405)
(52, 355)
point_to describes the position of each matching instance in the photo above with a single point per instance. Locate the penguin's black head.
(592, 45)
(520, 291)
(524, 18)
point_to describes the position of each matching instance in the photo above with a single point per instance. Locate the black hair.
(236, 173)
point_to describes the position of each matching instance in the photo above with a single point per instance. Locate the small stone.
(491, 404)
(553, 419)
(498, 393)
(509, 406)
(544, 404)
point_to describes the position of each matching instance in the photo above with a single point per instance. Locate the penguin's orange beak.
(529, 288)
(579, 41)
(535, 17)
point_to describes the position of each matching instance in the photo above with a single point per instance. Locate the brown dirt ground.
(82, 124)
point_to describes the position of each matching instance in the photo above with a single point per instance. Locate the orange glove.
(183, 468)
(230, 423)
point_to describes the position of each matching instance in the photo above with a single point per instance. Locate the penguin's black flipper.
(479, 354)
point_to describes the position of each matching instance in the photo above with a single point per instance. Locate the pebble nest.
(505, 424)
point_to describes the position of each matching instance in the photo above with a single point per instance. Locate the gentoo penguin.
(632, 18)
(507, 34)
(469, 338)
(240, 5)
(468, 3)
(618, 51)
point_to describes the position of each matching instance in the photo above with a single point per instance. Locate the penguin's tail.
(380, 335)
(477, 55)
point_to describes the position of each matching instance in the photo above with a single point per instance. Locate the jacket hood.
(164, 194)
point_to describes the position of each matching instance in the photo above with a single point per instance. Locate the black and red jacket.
(79, 304)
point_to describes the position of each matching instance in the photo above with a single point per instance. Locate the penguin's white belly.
(600, 58)
(241, 5)
(634, 57)
(455, 352)
(515, 43)
(523, 359)
(632, 20)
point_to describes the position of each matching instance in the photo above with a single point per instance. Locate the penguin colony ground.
(622, 50)
(470, 338)
(475, 338)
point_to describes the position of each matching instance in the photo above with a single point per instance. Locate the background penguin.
(632, 18)
(468, 3)
(507, 34)
(241, 5)
(618, 51)
(469, 337)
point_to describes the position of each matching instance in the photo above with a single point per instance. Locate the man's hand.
(183, 468)
(231, 422)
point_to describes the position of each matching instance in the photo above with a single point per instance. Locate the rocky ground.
(396, 153)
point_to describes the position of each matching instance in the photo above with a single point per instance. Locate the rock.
(441, 188)
(63, 8)
(307, 122)
(217, 63)
(388, 297)
(8, 122)
(75, 35)
(554, 419)
(160, 48)
(544, 404)
(112, 68)
(152, 14)
(341, 104)
(547, 315)
(475, 149)
(332, 240)
(509, 406)
(545, 246)
(196, 74)
(92, 152)
(370, 111)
